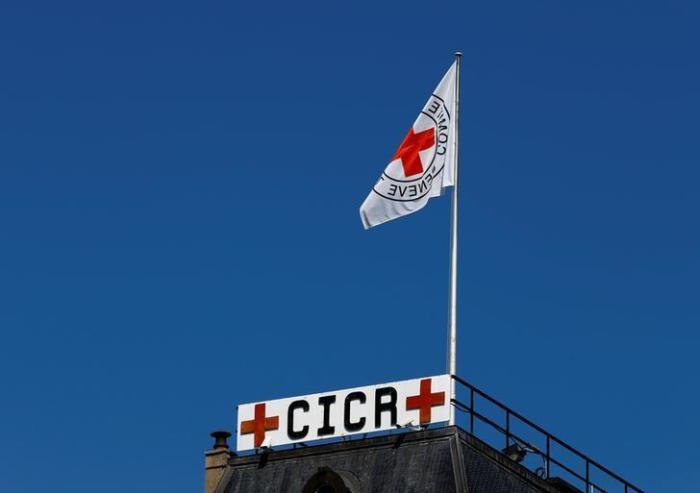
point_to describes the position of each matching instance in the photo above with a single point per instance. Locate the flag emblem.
(422, 165)
(408, 151)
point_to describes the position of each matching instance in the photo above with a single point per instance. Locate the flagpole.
(452, 309)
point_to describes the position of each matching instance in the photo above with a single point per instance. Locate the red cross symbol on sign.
(260, 424)
(425, 401)
(408, 151)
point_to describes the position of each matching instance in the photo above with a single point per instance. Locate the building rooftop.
(441, 460)
(460, 459)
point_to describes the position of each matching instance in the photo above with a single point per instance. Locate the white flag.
(423, 164)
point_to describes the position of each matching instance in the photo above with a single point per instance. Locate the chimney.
(216, 460)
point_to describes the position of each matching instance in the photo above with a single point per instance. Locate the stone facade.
(445, 460)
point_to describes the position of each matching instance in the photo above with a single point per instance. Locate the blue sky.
(179, 193)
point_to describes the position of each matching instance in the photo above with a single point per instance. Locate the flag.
(423, 164)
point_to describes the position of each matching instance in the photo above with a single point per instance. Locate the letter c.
(296, 435)
(359, 424)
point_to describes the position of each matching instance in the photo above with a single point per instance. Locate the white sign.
(421, 401)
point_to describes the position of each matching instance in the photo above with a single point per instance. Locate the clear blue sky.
(179, 193)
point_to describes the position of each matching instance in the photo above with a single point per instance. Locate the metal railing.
(548, 454)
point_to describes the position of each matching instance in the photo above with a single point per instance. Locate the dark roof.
(441, 460)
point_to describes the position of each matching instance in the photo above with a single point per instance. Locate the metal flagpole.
(452, 309)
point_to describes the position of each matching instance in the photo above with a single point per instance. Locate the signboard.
(421, 401)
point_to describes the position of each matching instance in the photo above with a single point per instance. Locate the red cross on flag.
(423, 164)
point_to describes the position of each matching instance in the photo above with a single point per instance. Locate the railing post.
(507, 428)
(588, 482)
(471, 410)
(549, 452)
